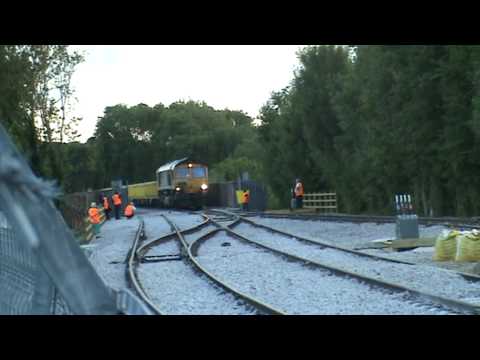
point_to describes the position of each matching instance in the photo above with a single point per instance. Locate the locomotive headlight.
(204, 187)
(177, 188)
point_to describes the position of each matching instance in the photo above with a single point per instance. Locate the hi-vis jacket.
(129, 209)
(117, 200)
(94, 215)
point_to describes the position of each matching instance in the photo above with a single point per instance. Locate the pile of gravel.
(297, 289)
(419, 277)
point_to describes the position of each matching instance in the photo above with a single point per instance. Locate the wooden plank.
(410, 243)
(319, 207)
(396, 244)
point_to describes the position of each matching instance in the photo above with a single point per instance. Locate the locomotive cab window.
(181, 172)
(198, 172)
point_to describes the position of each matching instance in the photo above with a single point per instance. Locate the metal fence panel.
(44, 251)
(17, 274)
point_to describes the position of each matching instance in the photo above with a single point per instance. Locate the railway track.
(139, 254)
(132, 262)
(321, 245)
(219, 221)
(420, 296)
(466, 223)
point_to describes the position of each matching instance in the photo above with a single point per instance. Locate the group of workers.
(94, 212)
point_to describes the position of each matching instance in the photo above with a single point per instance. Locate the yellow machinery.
(144, 193)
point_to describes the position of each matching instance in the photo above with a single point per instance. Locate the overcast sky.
(234, 77)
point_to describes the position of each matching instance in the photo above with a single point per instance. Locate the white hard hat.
(93, 204)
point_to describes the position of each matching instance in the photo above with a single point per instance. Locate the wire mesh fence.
(43, 270)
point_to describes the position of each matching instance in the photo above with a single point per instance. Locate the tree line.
(374, 121)
(367, 122)
(35, 99)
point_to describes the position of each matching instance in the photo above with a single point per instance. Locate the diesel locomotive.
(179, 184)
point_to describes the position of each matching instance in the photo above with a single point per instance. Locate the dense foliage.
(132, 142)
(377, 121)
(367, 122)
(35, 96)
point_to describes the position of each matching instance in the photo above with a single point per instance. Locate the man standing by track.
(245, 199)
(106, 207)
(299, 194)
(117, 203)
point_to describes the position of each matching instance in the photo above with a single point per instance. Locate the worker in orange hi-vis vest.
(299, 194)
(129, 210)
(245, 199)
(106, 207)
(94, 218)
(117, 203)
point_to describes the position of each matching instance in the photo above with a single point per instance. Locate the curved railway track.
(217, 221)
(457, 305)
(138, 255)
(132, 262)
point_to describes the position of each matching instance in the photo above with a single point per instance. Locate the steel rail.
(466, 276)
(132, 263)
(468, 223)
(461, 306)
(316, 242)
(259, 305)
(143, 249)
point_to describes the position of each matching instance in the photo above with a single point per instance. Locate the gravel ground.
(177, 289)
(352, 235)
(298, 289)
(419, 277)
(424, 256)
(183, 220)
(189, 238)
(348, 235)
(171, 247)
(155, 226)
(108, 252)
(116, 240)
(286, 285)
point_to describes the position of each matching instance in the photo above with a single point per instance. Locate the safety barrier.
(325, 202)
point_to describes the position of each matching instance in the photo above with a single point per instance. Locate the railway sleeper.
(158, 258)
